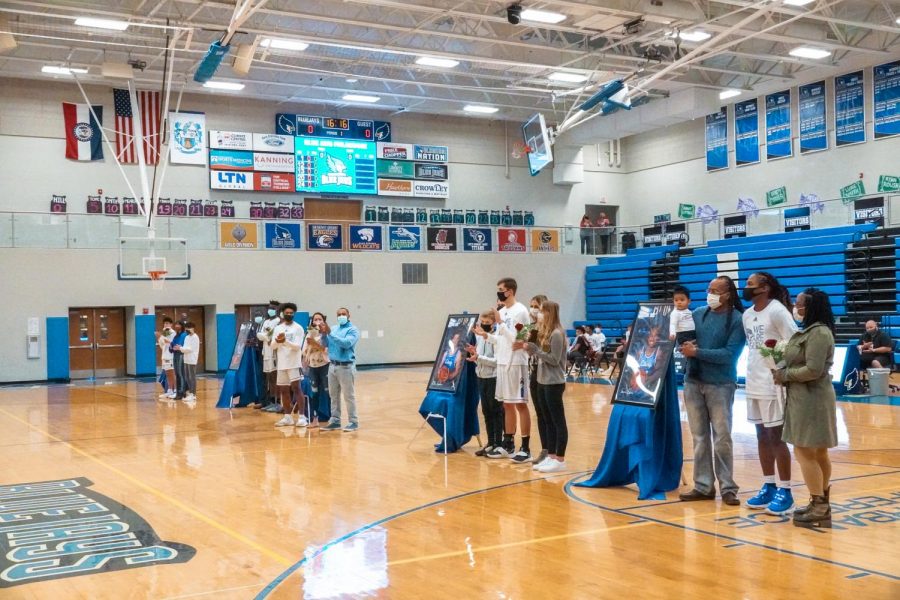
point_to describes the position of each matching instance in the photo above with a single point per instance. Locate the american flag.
(126, 148)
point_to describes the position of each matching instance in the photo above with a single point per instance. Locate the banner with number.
(849, 109)
(813, 136)
(778, 125)
(887, 99)
(717, 140)
(746, 132)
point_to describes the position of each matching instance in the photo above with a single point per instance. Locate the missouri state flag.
(84, 141)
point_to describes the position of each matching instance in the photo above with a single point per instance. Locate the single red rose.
(771, 343)
(519, 326)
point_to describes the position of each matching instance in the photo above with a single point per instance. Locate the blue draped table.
(460, 409)
(643, 446)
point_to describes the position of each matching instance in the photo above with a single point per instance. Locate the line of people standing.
(179, 351)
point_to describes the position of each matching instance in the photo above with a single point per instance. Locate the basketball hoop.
(157, 279)
(520, 149)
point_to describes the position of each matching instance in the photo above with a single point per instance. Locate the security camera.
(514, 13)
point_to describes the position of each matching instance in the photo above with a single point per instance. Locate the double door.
(194, 314)
(96, 342)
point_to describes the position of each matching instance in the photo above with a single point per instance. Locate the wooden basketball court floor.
(308, 514)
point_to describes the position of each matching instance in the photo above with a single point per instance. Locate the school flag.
(84, 141)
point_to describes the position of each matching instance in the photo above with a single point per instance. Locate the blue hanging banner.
(887, 99)
(746, 132)
(778, 125)
(717, 140)
(813, 136)
(849, 109)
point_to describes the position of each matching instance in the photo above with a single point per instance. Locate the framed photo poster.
(646, 357)
(451, 354)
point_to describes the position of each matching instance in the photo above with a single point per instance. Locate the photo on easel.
(647, 357)
(451, 355)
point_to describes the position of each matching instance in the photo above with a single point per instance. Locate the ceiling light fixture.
(224, 85)
(351, 80)
(695, 36)
(282, 44)
(101, 23)
(481, 109)
(53, 70)
(797, 2)
(360, 98)
(809, 52)
(726, 94)
(567, 77)
(433, 61)
(542, 16)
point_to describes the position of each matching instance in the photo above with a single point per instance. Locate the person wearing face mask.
(482, 354)
(875, 347)
(537, 316)
(191, 352)
(264, 335)
(178, 358)
(769, 318)
(287, 342)
(164, 341)
(341, 343)
(315, 359)
(709, 386)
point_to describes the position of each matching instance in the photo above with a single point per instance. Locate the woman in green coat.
(809, 421)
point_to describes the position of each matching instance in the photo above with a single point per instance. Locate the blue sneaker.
(782, 503)
(333, 426)
(352, 427)
(763, 497)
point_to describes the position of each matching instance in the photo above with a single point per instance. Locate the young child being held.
(681, 322)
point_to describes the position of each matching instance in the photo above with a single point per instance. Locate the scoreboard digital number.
(330, 127)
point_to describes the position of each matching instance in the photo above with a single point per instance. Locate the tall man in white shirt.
(287, 342)
(268, 354)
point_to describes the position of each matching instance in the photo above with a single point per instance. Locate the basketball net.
(519, 150)
(157, 279)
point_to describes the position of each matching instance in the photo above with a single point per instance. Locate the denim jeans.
(341, 381)
(709, 410)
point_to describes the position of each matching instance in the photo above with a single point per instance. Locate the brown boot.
(817, 514)
(806, 508)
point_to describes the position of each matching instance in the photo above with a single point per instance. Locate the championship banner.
(887, 99)
(746, 132)
(477, 239)
(545, 240)
(366, 237)
(238, 235)
(187, 138)
(324, 236)
(796, 219)
(511, 240)
(442, 239)
(778, 125)
(717, 140)
(405, 238)
(283, 236)
(849, 109)
(813, 135)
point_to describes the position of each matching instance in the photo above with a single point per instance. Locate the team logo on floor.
(56, 529)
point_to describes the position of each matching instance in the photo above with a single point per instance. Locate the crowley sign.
(431, 189)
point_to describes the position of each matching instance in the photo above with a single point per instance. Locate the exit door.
(96, 342)
(194, 314)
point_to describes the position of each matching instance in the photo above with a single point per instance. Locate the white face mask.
(797, 316)
(714, 301)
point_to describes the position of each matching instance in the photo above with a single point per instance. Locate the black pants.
(551, 398)
(180, 382)
(543, 419)
(318, 379)
(492, 410)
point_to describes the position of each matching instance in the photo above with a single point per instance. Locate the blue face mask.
(272, 312)
(258, 320)
(343, 319)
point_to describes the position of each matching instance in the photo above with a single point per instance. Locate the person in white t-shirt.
(681, 321)
(164, 340)
(287, 342)
(512, 371)
(191, 352)
(769, 318)
(264, 335)
(598, 339)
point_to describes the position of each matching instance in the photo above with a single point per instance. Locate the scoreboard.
(332, 127)
(335, 166)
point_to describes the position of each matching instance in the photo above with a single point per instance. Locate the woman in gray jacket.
(550, 351)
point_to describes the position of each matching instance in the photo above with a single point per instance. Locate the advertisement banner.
(735, 227)
(270, 142)
(392, 151)
(230, 160)
(231, 140)
(813, 135)
(281, 163)
(746, 132)
(849, 109)
(776, 196)
(477, 239)
(405, 238)
(511, 240)
(238, 235)
(230, 180)
(430, 153)
(796, 219)
(395, 187)
(187, 138)
(717, 140)
(442, 239)
(273, 182)
(324, 236)
(852, 191)
(887, 99)
(283, 236)
(431, 189)
(778, 125)
(545, 240)
(396, 169)
(431, 171)
(869, 210)
(366, 237)
(686, 211)
(888, 183)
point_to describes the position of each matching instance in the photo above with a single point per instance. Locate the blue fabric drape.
(643, 446)
(460, 409)
(248, 381)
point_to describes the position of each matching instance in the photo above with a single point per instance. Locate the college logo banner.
(511, 240)
(477, 239)
(273, 182)
(231, 140)
(392, 151)
(187, 138)
(545, 240)
(408, 238)
(395, 187)
(57, 529)
(270, 142)
(283, 236)
(442, 239)
(324, 236)
(365, 237)
(238, 235)
(431, 171)
(230, 180)
(264, 161)
(813, 135)
(430, 153)
(230, 160)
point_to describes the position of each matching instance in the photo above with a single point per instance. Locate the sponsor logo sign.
(406, 238)
(230, 140)
(238, 235)
(431, 189)
(430, 153)
(283, 236)
(264, 161)
(442, 239)
(511, 239)
(324, 236)
(545, 240)
(477, 239)
(230, 180)
(392, 151)
(395, 187)
(273, 182)
(270, 142)
(431, 171)
(230, 160)
(396, 169)
(365, 237)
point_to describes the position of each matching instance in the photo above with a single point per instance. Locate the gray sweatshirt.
(551, 365)
(485, 364)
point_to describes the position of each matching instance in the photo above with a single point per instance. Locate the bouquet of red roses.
(773, 352)
(526, 333)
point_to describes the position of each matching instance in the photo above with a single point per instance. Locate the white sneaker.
(286, 421)
(190, 398)
(537, 466)
(553, 466)
(171, 395)
(302, 421)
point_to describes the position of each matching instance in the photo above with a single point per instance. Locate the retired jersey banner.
(366, 237)
(325, 236)
(187, 138)
(717, 140)
(887, 99)
(442, 239)
(477, 239)
(511, 240)
(849, 109)
(813, 134)
(746, 132)
(545, 240)
(778, 125)
(238, 235)
(84, 141)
